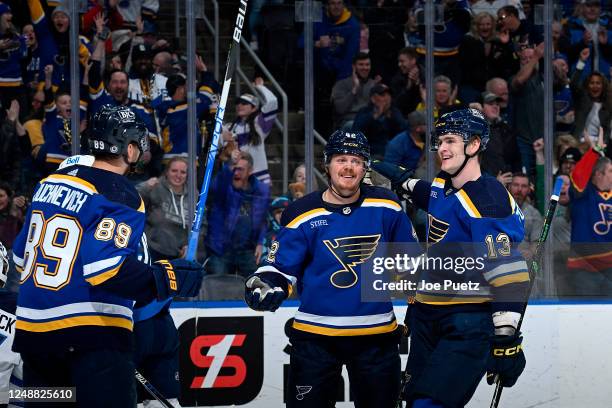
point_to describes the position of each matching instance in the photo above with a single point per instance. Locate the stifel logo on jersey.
(221, 360)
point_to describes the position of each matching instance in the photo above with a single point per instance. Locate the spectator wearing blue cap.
(275, 213)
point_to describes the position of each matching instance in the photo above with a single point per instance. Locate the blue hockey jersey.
(173, 120)
(321, 250)
(81, 226)
(482, 221)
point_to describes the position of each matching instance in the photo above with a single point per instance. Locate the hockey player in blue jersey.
(80, 274)
(314, 253)
(458, 335)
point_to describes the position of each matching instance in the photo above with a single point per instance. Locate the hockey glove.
(177, 277)
(261, 294)
(399, 177)
(507, 360)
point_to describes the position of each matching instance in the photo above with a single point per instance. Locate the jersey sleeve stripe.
(75, 321)
(505, 269)
(432, 299)
(141, 208)
(80, 308)
(467, 204)
(18, 261)
(101, 265)
(330, 331)
(270, 268)
(511, 278)
(71, 181)
(438, 182)
(381, 202)
(349, 321)
(299, 220)
(103, 277)
(512, 202)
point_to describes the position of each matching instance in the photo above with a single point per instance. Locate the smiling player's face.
(346, 172)
(451, 152)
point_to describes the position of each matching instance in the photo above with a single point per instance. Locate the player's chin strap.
(132, 166)
(333, 190)
(465, 161)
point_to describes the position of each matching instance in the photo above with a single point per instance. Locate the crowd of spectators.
(369, 76)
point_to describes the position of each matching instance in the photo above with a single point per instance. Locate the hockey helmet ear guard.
(4, 265)
(466, 123)
(346, 142)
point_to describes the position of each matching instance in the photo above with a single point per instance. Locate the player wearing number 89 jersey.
(80, 274)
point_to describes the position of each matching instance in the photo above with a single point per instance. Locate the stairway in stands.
(274, 146)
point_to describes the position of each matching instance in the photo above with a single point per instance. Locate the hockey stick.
(534, 269)
(152, 390)
(399, 403)
(212, 152)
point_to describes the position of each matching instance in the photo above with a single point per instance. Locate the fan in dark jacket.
(483, 56)
(502, 154)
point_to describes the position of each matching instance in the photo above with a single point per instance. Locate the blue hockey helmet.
(347, 142)
(114, 128)
(466, 123)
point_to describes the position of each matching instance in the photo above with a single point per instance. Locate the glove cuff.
(166, 279)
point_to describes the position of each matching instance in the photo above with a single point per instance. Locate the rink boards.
(231, 355)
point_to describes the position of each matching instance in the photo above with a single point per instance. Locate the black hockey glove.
(177, 277)
(262, 295)
(506, 360)
(397, 175)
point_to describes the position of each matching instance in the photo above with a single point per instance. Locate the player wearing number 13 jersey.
(80, 274)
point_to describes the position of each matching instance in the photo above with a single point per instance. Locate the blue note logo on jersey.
(437, 229)
(602, 227)
(350, 252)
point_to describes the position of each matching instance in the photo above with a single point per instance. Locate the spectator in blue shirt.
(237, 218)
(406, 149)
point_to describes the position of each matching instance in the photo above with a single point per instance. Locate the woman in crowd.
(168, 222)
(593, 108)
(254, 122)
